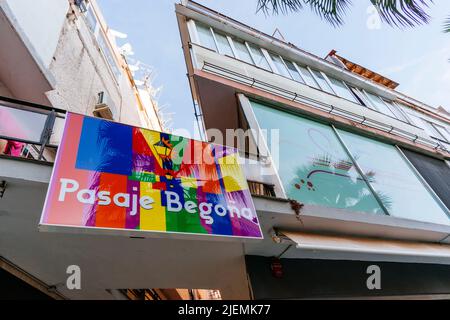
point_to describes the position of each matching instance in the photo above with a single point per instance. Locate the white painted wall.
(39, 23)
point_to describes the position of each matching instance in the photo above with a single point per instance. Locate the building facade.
(349, 176)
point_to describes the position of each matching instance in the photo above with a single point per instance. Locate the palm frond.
(332, 11)
(277, 6)
(447, 25)
(399, 13)
(403, 13)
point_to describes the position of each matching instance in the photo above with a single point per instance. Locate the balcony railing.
(261, 189)
(29, 130)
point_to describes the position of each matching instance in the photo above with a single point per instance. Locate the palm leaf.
(330, 10)
(403, 13)
(447, 25)
(399, 13)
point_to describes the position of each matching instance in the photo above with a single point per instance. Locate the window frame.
(296, 69)
(249, 47)
(217, 43)
(313, 72)
(356, 100)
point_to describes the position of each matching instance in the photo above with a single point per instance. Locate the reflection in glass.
(313, 166)
(21, 124)
(390, 175)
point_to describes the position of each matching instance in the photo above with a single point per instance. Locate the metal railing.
(295, 97)
(30, 130)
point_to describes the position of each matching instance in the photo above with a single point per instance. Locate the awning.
(364, 245)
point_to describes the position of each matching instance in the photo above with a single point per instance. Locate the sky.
(417, 58)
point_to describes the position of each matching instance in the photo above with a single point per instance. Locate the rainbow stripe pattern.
(114, 176)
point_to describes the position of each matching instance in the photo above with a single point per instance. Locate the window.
(322, 81)
(316, 168)
(91, 19)
(397, 110)
(401, 191)
(109, 55)
(342, 90)
(223, 44)
(259, 57)
(443, 133)
(434, 171)
(279, 64)
(313, 166)
(242, 51)
(206, 37)
(379, 104)
(293, 71)
(307, 76)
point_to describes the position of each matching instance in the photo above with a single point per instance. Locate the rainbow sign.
(110, 176)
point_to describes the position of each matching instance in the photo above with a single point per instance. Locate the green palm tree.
(398, 13)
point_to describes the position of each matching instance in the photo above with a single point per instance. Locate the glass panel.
(401, 191)
(342, 90)
(281, 68)
(313, 166)
(260, 58)
(443, 132)
(242, 51)
(206, 37)
(362, 98)
(396, 109)
(293, 71)
(380, 105)
(323, 82)
(224, 45)
(91, 19)
(307, 76)
(417, 121)
(21, 124)
(109, 55)
(57, 133)
(430, 129)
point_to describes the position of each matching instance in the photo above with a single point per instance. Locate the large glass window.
(342, 90)
(223, 44)
(314, 168)
(260, 59)
(242, 51)
(399, 188)
(206, 37)
(322, 81)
